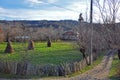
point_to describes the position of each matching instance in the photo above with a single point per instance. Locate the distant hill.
(66, 24)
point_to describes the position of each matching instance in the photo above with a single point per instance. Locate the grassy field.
(115, 65)
(60, 52)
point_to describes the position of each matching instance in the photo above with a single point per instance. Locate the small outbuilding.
(70, 35)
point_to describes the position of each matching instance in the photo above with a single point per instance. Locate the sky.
(42, 9)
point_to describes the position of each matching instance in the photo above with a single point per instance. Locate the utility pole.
(91, 40)
(91, 11)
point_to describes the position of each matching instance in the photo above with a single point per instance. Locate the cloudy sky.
(42, 9)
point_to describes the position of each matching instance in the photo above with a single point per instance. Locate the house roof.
(70, 33)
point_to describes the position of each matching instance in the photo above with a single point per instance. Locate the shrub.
(118, 70)
(119, 54)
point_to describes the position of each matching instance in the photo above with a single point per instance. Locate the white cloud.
(41, 1)
(2, 9)
(52, 1)
(77, 7)
(53, 13)
(29, 14)
(35, 3)
(80, 7)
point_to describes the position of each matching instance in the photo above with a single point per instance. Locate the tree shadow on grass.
(1, 52)
(114, 78)
(11, 76)
(23, 77)
(116, 58)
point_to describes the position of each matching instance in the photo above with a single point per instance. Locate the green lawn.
(113, 71)
(60, 52)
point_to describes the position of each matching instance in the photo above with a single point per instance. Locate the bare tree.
(109, 10)
(80, 18)
(7, 30)
(1, 35)
(84, 38)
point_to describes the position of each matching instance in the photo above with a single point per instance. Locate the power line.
(59, 6)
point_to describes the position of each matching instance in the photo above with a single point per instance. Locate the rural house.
(70, 35)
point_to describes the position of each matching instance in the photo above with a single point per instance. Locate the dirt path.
(100, 72)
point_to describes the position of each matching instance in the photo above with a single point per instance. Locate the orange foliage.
(1, 30)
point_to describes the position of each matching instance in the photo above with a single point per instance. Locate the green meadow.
(59, 53)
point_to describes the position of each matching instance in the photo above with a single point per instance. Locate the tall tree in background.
(80, 18)
(1, 35)
(109, 10)
(84, 38)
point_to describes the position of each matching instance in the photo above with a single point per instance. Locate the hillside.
(66, 24)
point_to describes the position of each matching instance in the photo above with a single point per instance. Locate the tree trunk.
(82, 50)
(95, 55)
(119, 54)
(7, 37)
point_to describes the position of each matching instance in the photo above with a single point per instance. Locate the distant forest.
(66, 24)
